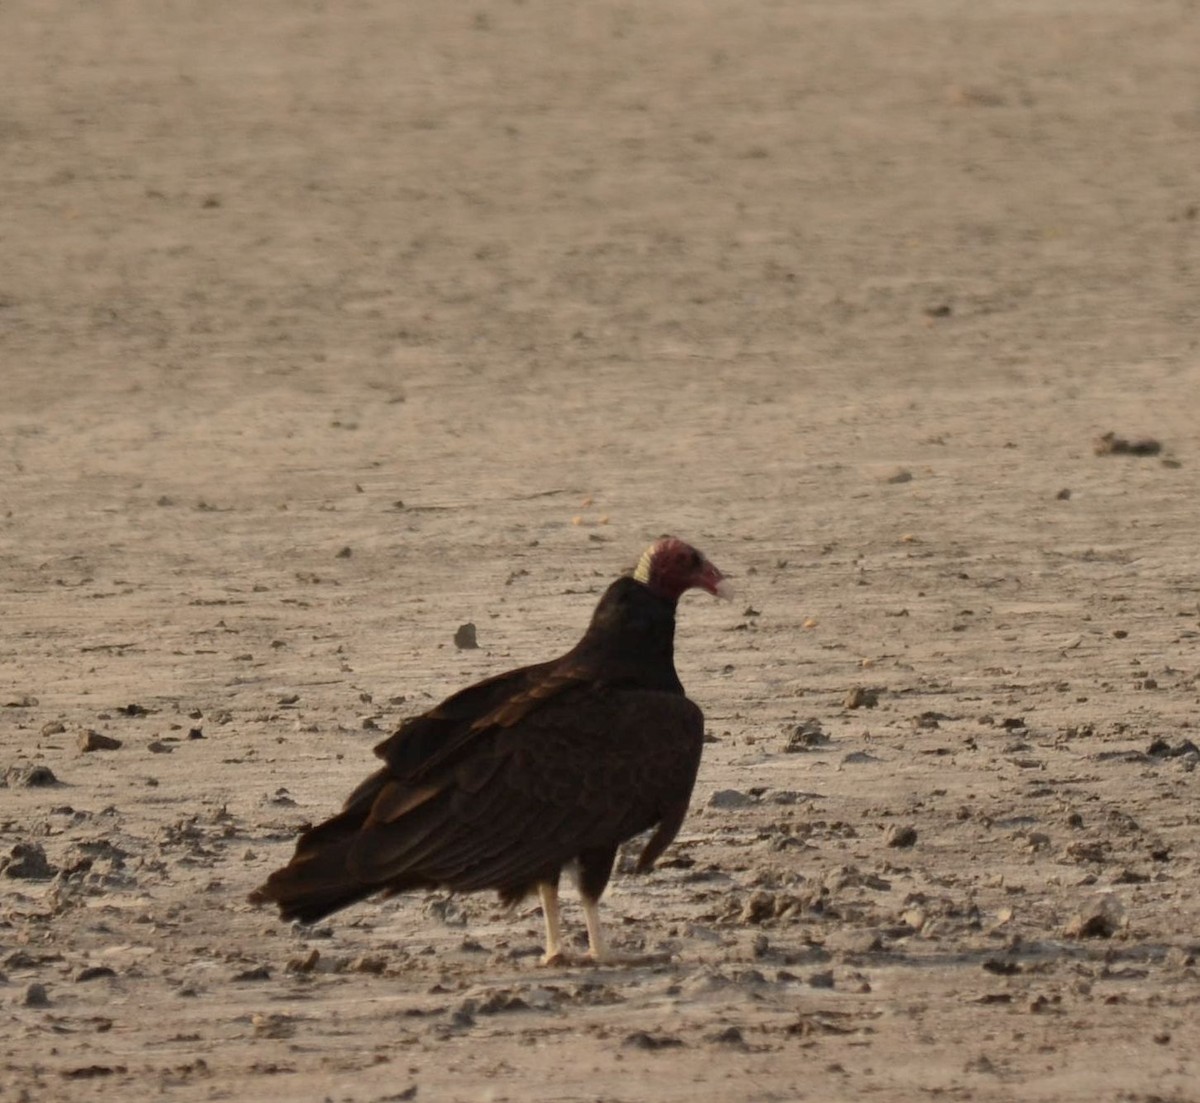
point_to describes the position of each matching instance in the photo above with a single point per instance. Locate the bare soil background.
(325, 329)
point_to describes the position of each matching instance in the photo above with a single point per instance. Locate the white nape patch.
(642, 572)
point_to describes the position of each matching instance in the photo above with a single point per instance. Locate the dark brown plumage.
(508, 781)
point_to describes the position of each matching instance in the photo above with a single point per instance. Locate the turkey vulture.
(508, 781)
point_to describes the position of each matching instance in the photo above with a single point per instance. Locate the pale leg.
(549, 894)
(597, 947)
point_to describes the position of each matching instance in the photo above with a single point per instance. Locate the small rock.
(1001, 968)
(703, 981)
(54, 727)
(464, 638)
(373, 964)
(898, 836)
(259, 972)
(1109, 444)
(90, 740)
(787, 796)
(36, 996)
(1064, 495)
(1126, 876)
(1160, 748)
(823, 979)
(861, 698)
(1181, 957)
(463, 1017)
(305, 964)
(502, 1001)
(273, 1025)
(730, 798)
(806, 735)
(822, 1022)
(1101, 918)
(846, 877)
(859, 758)
(94, 972)
(1037, 841)
(730, 1036)
(786, 842)
(30, 777)
(854, 940)
(28, 863)
(640, 1039)
(157, 746)
(447, 910)
(759, 905)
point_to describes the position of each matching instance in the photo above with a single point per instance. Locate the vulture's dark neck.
(631, 640)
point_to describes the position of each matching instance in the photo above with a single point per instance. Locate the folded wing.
(505, 794)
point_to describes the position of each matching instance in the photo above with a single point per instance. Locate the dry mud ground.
(327, 328)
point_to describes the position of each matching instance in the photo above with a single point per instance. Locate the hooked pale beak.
(715, 582)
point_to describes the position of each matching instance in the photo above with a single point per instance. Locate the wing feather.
(587, 770)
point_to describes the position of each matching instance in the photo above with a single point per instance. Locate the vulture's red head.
(669, 568)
